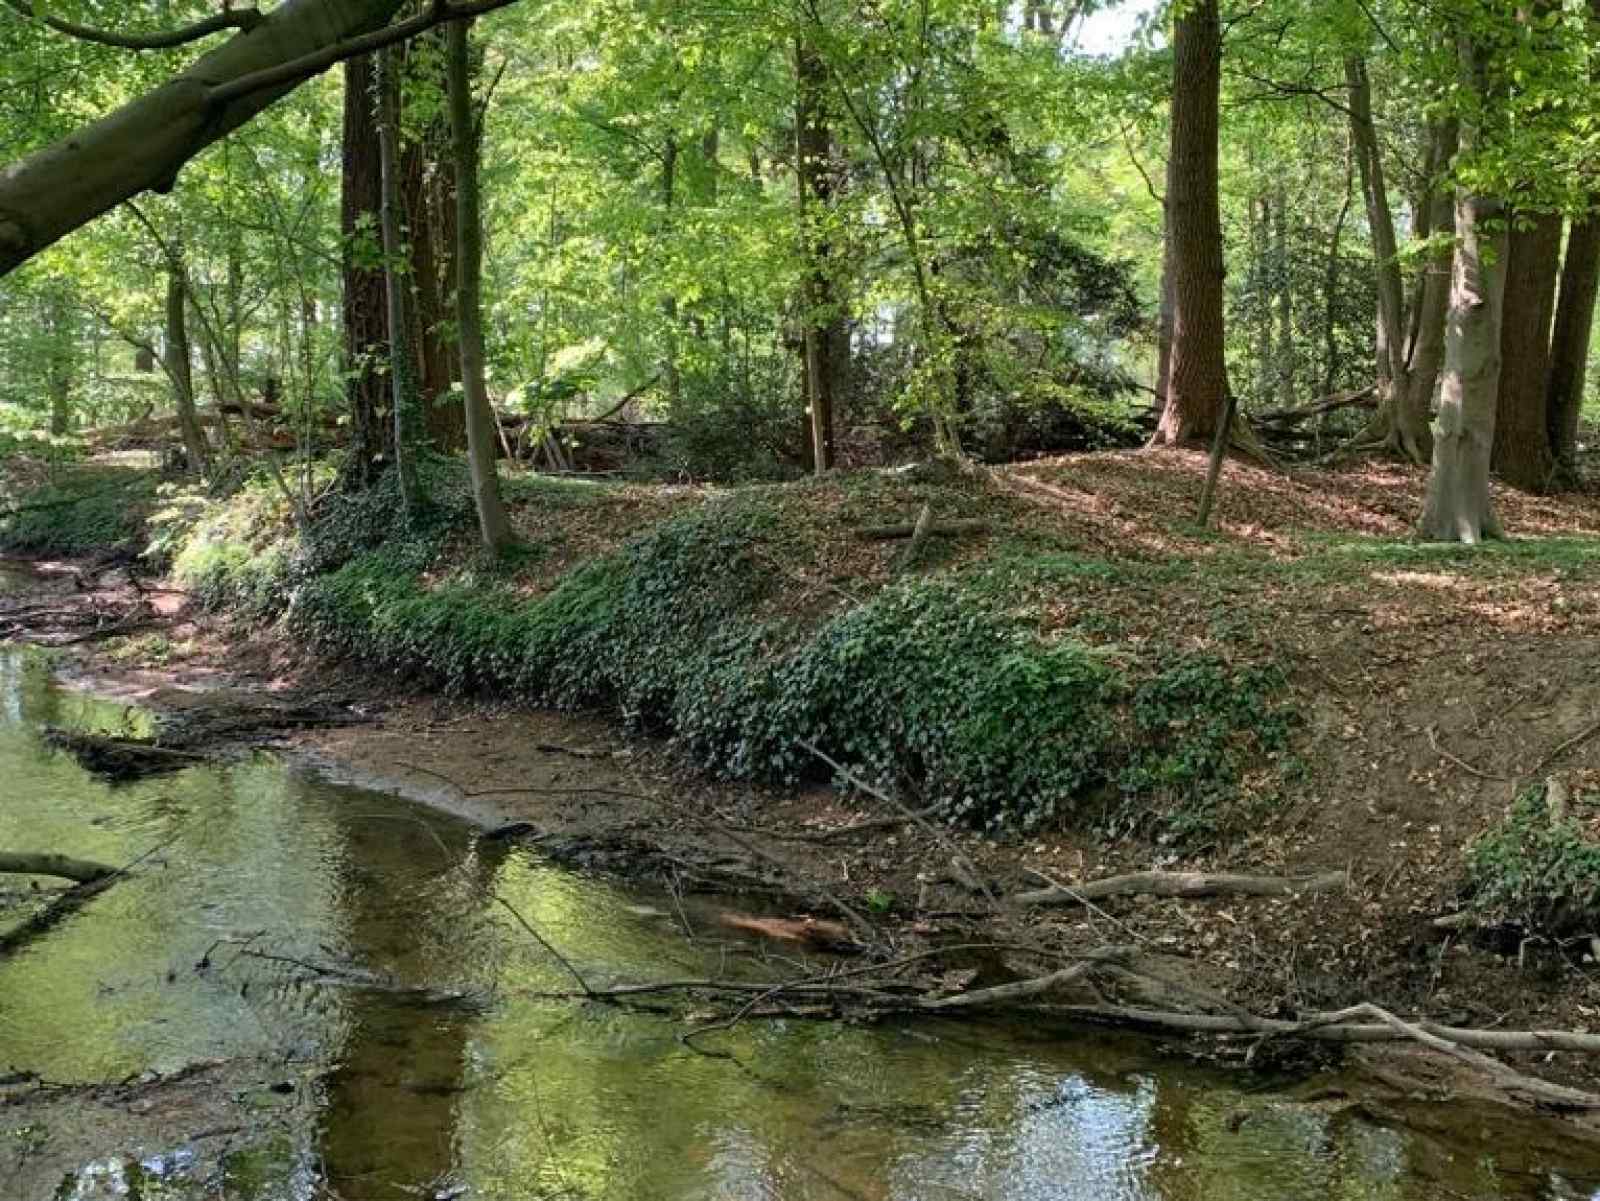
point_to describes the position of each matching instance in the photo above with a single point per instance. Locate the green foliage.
(1537, 869)
(83, 510)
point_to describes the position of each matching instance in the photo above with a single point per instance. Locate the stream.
(370, 1095)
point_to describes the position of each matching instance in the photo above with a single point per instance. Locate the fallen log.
(1184, 886)
(119, 758)
(43, 863)
(890, 533)
(1360, 397)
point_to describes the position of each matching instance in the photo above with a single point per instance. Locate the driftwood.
(1184, 886)
(24, 863)
(890, 533)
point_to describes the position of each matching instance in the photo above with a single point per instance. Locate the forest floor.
(1432, 684)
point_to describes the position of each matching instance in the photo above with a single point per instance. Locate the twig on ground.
(1433, 741)
(1577, 739)
(1183, 886)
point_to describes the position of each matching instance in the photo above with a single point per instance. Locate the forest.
(1079, 512)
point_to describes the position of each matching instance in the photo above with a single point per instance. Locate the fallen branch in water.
(26, 863)
(1183, 886)
(69, 902)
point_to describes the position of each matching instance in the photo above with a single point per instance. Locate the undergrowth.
(1538, 869)
(942, 682)
(83, 510)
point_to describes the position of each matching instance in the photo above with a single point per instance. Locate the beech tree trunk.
(492, 524)
(1522, 451)
(145, 143)
(1457, 507)
(58, 359)
(180, 370)
(814, 186)
(402, 368)
(366, 324)
(1198, 386)
(1569, 346)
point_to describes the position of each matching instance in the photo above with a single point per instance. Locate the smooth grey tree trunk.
(1569, 344)
(492, 524)
(1458, 507)
(145, 143)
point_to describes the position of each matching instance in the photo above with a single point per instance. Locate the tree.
(1569, 345)
(814, 188)
(402, 367)
(365, 322)
(1198, 380)
(144, 144)
(1457, 508)
(493, 527)
(1522, 453)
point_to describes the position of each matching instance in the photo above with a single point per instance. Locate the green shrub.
(1536, 869)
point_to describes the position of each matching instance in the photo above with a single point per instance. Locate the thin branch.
(243, 18)
(546, 944)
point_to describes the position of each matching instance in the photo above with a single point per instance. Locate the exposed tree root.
(1183, 886)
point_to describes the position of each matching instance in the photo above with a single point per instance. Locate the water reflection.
(507, 1099)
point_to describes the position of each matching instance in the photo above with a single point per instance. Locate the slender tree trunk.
(492, 523)
(1458, 506)
(1401, 426)
(402, 368)
(1198, 386)
(1287, 363)
(1262, 372)
(1330, 283)
(1569, 345)
(1522, 450)
(366, 326)
(58, 361)
(1165, 320)
(180, 371)
(1433, 285)
(814, 190)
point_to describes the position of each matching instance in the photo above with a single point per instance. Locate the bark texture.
(1569, 346)
(1198, 383)
(492, 524)
(1522, 454)
(1457, 508)
(397, 292)
(366, 325)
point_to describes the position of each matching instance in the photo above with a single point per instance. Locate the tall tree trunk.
(1199, 381)
(366, 325)
(1457, 508)
(814, 189)
(402, 368)
(1330, 283)
(1522, 453)
(492, 523)
(1569, 344)
(1401, 426)
(180, 370)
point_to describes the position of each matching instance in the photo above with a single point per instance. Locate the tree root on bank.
(1183, 886)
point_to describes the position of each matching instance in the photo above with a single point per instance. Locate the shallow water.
(381, 1097)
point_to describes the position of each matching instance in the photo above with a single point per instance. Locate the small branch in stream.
(547, 945)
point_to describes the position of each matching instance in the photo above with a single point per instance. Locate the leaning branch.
(167, 39)
(300, 69)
